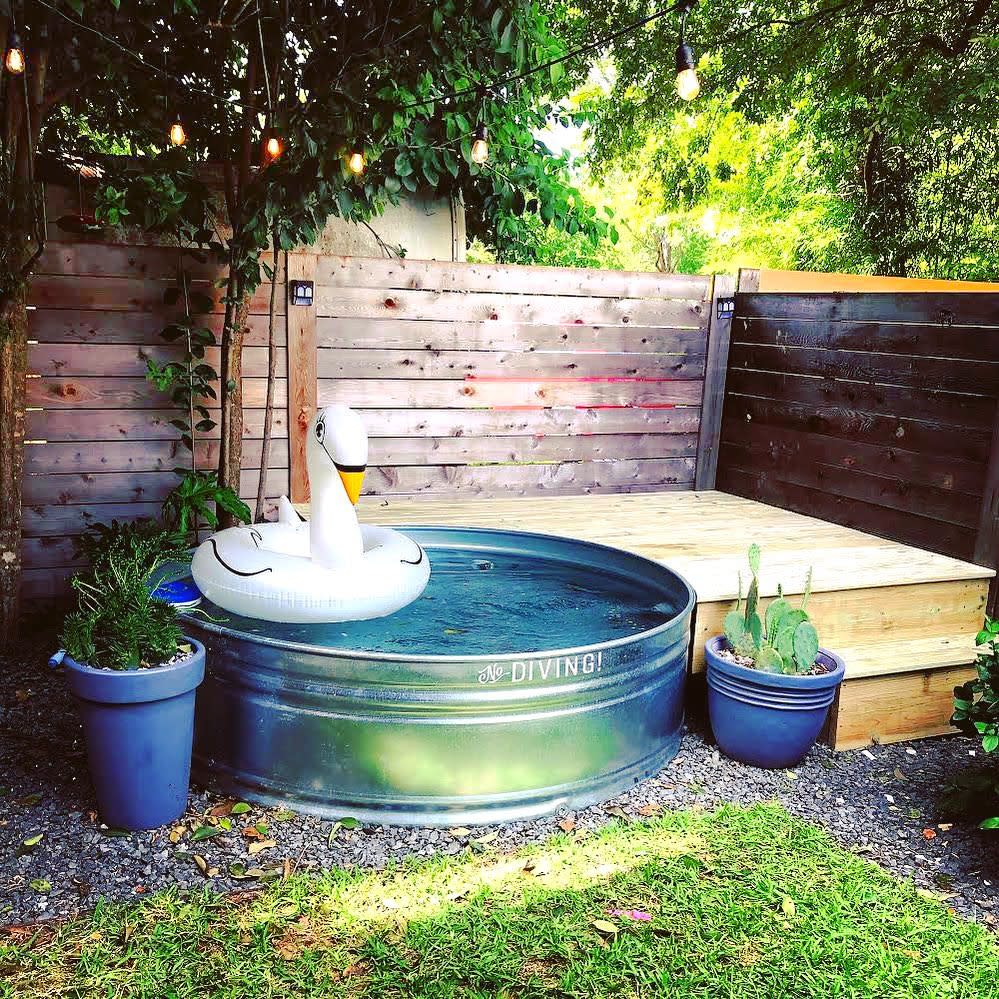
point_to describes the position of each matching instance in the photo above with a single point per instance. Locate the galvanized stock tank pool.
(535, 673)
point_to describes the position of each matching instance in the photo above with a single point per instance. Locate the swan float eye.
(320, 431)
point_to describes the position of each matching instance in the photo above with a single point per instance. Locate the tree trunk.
(231, 446)
(13, 369)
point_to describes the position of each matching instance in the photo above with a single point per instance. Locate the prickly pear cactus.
(806, 646)
(783, 640)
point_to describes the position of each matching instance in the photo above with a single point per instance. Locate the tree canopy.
(890, 105)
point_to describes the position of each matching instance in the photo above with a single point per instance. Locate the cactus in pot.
(770, 686)
(783, 640)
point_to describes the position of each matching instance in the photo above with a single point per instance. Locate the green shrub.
(976, 703)
(783, 640)
(118, 624)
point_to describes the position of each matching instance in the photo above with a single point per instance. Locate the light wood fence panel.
(487, 380)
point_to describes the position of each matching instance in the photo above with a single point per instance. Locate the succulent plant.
(783, 640)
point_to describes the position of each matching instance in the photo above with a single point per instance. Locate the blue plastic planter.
(768, 719)
(139, 727)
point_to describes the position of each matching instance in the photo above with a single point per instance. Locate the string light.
(273, 147)
(480, 145)
(178, 136)
(356, 162)
(14, 59)
(687, 84)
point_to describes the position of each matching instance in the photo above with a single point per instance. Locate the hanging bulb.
(177, 134)
(480, 145)
(14, 59)
(273, 147)
(687, 84)
(356, 162)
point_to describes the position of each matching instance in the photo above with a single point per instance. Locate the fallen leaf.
(460, 832)
(788, 907)
(21, 695)
(252, 832)
(538, 866)
(140, 889)
(945, 826)
(651, 809)
(40, 884)
(914, 954)
(349, 822)
(239, 808)
(29, 800)
(261, 844)
(201, 862)
(176, 833)
(355, 969)
(32, 841)
(488, 838)
(899, 775)
(226, 808)
(604, 926)
(617, 811)
(283, 815)
(567, 825)
(929, 834)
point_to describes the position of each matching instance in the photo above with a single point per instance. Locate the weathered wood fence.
(473, 379)
(99, 442)
(877, 411)
(480, 380)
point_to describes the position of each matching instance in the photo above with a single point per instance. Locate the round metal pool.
(535, 673)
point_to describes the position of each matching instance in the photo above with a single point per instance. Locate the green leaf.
(992, 823)
(240, 808)
(205, 832)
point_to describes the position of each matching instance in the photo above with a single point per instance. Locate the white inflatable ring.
(242, 570)
(330, 568)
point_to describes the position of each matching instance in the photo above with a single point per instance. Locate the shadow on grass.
(742, 902)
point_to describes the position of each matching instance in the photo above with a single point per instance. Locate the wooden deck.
(903, 619)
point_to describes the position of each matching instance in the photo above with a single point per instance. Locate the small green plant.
(197, 499)
(118, 624)
(783, 640)
(976, 703)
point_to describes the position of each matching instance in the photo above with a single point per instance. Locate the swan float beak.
(352, 479)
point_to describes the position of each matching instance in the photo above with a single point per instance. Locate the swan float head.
(337, 445)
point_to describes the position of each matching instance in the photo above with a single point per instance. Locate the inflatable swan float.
(327, 569)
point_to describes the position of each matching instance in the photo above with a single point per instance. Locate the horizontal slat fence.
(100, 445)
(873, 410)
(488, 379)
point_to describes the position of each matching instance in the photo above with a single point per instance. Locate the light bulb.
(177, 134)
(273, 147)
(687, 84)
(14, 60)
(480, 145)
(356, 163)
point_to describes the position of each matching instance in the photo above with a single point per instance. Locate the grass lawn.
(740, 903)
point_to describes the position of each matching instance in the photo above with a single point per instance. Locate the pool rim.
(680, 614)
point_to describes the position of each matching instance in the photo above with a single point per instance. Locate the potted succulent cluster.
(770, 685)
(134, 674)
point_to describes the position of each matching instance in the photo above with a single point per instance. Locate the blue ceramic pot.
(139, 727)
(768, 719)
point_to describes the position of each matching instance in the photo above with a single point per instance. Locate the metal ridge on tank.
(350, 720)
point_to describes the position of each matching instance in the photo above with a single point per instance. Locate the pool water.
(488, 604)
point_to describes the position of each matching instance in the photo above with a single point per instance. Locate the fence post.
(302, 377)
(987, 538)
(715, 371)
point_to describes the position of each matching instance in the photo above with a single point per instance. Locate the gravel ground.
(881, 802)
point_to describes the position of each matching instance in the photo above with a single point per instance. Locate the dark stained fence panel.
(873, 410)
